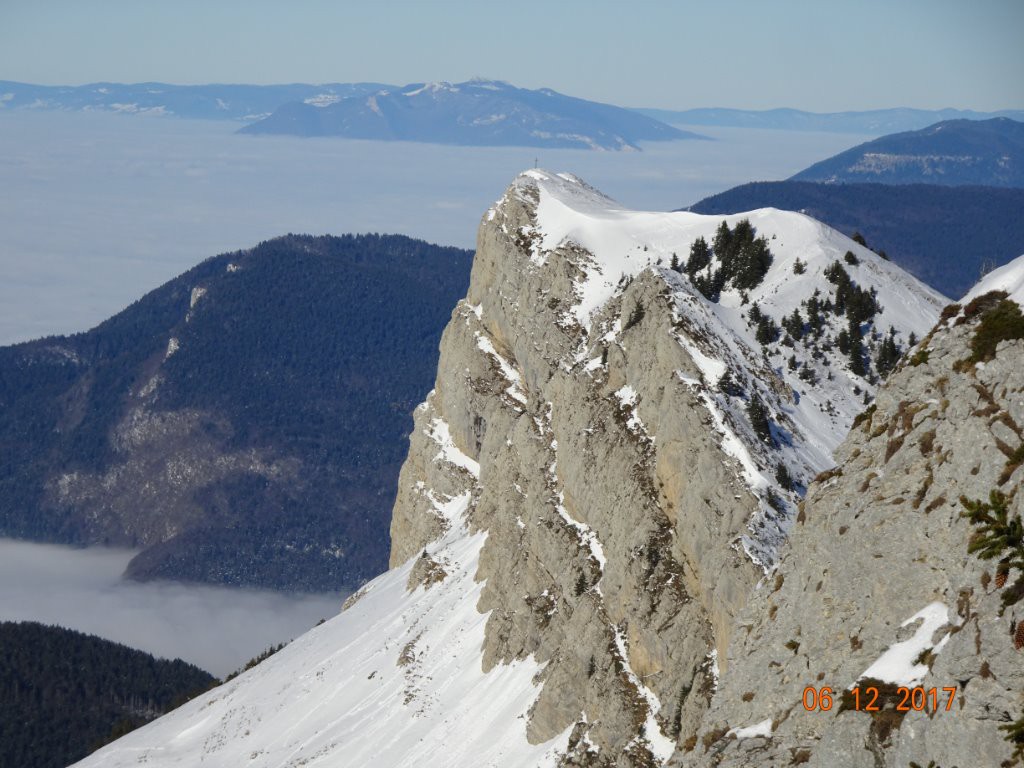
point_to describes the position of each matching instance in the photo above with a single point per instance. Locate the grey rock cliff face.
(615, 519)
(878, 540)
(603, 559)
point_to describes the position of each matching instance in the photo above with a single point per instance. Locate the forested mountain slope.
(244, 423)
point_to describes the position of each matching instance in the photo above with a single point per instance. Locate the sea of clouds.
(216, 628)
(96, 209)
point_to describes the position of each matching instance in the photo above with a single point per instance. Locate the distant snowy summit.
(474, 113)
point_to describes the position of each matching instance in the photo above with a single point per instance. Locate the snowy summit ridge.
(808, 383)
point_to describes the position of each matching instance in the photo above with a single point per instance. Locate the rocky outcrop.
(878, 562)
(620, 527)
(581, 566)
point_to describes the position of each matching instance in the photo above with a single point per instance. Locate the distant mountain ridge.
(952, 152)
(874, 121)
(474, 113)
(211, 102)
(944, 236)
(244, 423)
(254, 102)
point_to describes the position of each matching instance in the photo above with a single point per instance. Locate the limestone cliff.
(629, 508)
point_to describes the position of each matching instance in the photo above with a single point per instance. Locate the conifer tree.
(856, 349)
(758, 415)
(794, 325)
(700, 257)
(888, 355)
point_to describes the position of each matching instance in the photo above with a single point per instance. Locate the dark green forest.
(63, 693)
(310, 350)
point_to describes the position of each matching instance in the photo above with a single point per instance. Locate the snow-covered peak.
(785, 340)
(624, 242)
(1009, 278)
(488, 84)
(322, 100)
(436, 87)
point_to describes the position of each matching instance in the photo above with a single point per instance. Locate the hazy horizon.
(742, 107)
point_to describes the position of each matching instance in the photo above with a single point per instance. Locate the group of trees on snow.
(736, 258)
(743, 259)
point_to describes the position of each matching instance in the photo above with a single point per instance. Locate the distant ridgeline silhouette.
(244, 423)
(474, 113)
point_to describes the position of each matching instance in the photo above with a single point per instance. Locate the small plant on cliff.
(1001, 323)
(998, 535)
(635, 317)
(1015, 735)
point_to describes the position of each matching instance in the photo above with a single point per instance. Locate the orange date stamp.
(870, 699)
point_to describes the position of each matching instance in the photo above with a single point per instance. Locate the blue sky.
(821, 55)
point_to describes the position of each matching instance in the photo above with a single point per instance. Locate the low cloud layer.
(216, 628)
(97, 209)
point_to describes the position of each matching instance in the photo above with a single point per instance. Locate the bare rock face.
(584, 567)
(148, 493)
(622, 532)
(877, 585)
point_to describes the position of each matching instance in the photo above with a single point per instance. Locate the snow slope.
(394, 680)
(1009, 278)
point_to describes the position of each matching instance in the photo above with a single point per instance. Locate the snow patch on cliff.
(1009, 278)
